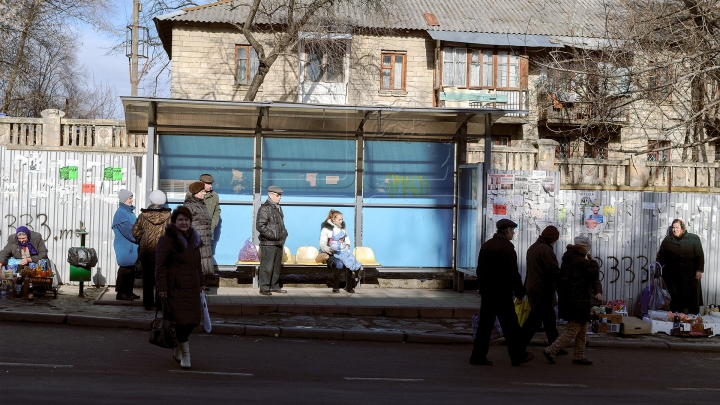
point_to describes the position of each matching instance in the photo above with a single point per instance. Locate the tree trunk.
(20, 57)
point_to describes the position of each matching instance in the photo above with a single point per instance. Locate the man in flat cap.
(543, 273)
(270, 224)
(498, 279)
(212, 202)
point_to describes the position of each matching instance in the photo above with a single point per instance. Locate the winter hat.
(206, 178)
(550, 233)
(196, 187)
(504, 224)
(123, 195)
(158, 197)
(339, 235)
(583, 241)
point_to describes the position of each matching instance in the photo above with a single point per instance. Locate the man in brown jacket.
(543, 273)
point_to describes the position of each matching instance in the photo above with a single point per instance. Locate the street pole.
(134, 49)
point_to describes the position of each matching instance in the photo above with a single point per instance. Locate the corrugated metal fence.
(626, 229)
(53, 192)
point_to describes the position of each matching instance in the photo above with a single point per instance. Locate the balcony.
(571, 111)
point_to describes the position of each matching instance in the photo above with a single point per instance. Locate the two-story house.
(449, 53)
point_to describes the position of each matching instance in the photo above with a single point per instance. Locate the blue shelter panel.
(402, 237)
(409, 172)
(303, 224)
(236, 225)
(228, 159)
(309, 167)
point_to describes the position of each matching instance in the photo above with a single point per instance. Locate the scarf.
(27, 244)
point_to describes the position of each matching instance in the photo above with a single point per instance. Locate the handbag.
(322, 258)
(162, 329)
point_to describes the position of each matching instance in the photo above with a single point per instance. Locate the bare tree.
(655, 72)
(30, 32)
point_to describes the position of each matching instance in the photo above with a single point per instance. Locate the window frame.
(522, 82)
(324, 64)
(658, 156)
(393, 55)
(655, 79)
(249, 76)
(594, 151)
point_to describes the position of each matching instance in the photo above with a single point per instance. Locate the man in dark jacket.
(271, 226)
(543, 272)
(498, 279)
(579, 283)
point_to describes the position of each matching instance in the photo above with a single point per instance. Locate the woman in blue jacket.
(126, 248)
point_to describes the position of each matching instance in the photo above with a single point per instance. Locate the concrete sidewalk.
(389, 315)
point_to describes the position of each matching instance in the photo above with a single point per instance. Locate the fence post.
(546, 154)
(638, 173)
(51, 127)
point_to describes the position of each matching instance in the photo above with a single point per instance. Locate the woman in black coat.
(578, 284)
(180, 279)
(683, 260)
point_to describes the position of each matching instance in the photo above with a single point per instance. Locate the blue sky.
(112, 69)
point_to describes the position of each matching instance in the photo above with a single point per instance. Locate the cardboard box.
(634, 326)
(612, 318)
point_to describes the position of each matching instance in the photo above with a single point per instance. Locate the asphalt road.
(60, 364)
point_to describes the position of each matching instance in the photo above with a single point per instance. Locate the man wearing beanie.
(270, 224)
(126, 248)
(498, 279)
(148, 229)
(579, 282)
(543, 272)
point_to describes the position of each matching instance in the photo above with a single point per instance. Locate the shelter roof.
(239, 118)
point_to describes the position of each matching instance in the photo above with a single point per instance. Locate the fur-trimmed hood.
(329, 225)
(179, 240)
(576, 249)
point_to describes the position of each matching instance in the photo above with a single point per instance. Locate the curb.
(223, 308)
(32, 317)
(324, 333)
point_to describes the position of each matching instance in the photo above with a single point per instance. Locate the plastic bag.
(248, 253)
(207, 325)
(522, 309)
(82, 257)
(496, 332)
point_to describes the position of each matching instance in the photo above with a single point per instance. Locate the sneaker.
(549, 357)
(583, 362)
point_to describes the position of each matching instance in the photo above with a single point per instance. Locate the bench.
(302, 268)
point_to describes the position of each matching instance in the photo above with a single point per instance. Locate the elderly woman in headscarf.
(683, 260)
(24, 248)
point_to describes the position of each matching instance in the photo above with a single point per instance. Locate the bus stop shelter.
(394, 173)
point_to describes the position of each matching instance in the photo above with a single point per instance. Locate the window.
(658, 155)
(455, 67)
(392, 75)
(562, 150)
(486, 68)
(597, 150)
(660, 83)
(246, 64)
(500, 141)
(482, 68)
(325, 62)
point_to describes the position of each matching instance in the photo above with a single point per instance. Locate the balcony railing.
(607, 111)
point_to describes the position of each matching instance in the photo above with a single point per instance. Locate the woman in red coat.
(180, 279)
